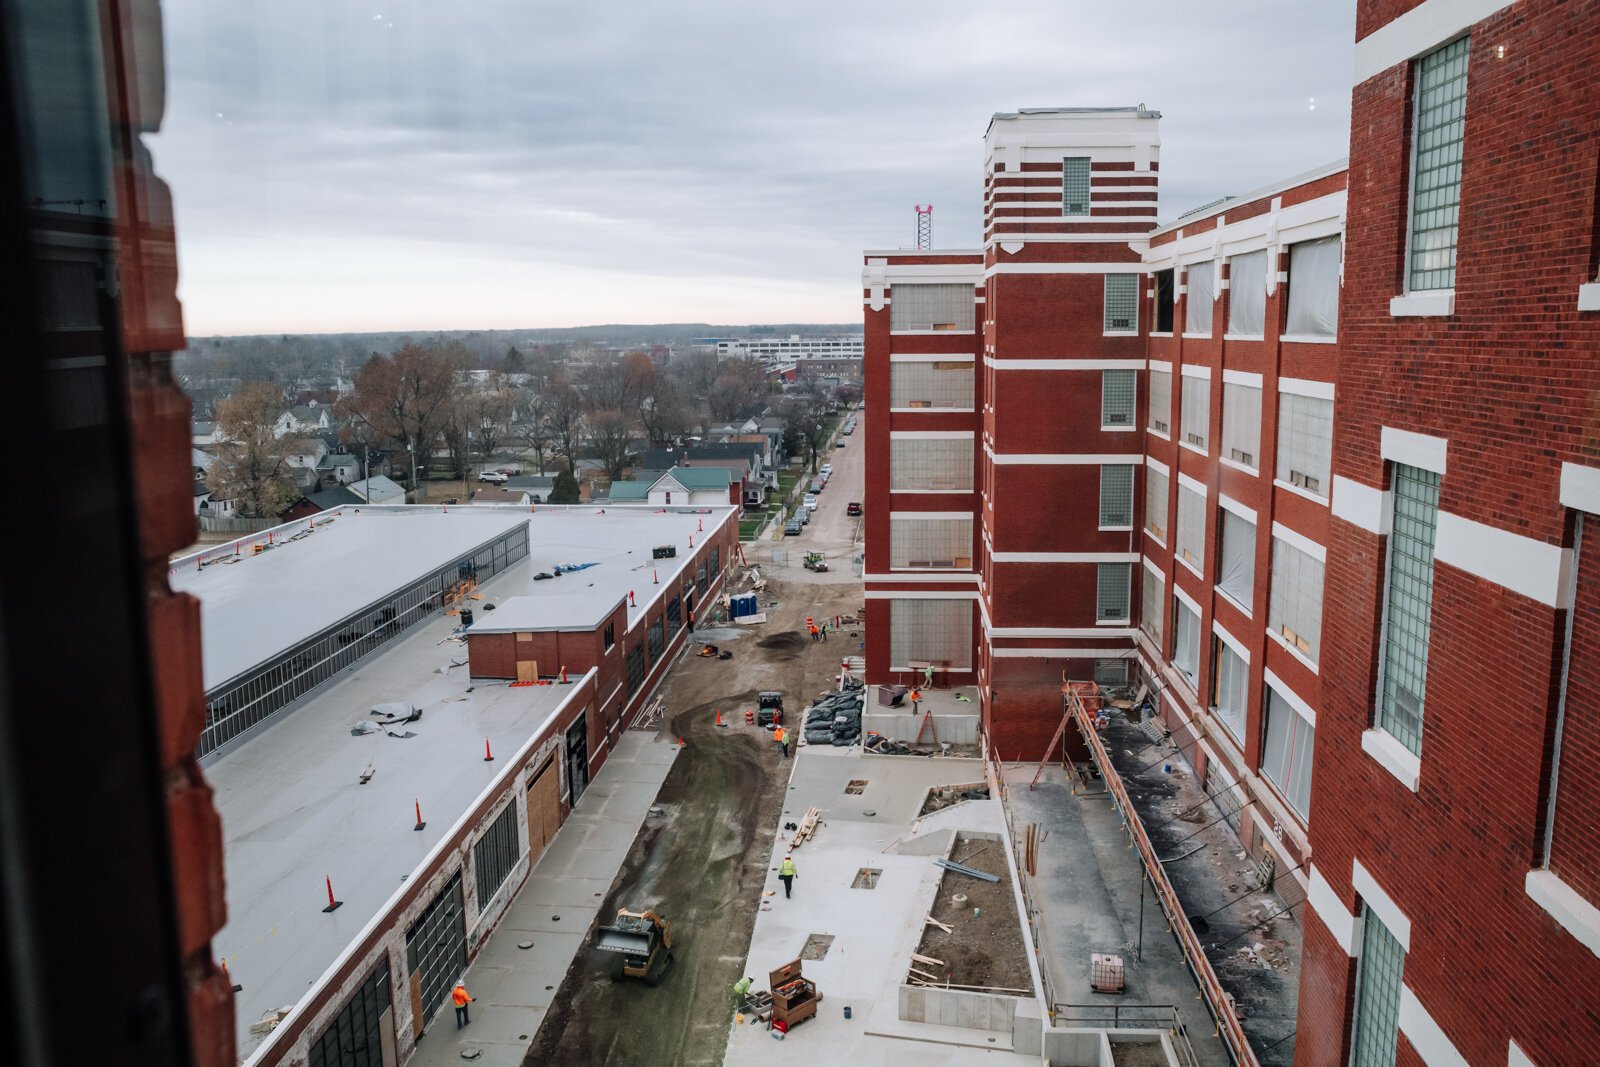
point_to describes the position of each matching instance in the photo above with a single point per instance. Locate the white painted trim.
(1414, 449)
(965, 578)
(1361, 505)
(1535, 569)
(1566, 906)
(1194, 485)
(1300, 541)
(1158, 466)
(1277, 638)
(1196, 370)
(931, 357)
(1070, 268)
(1293, 699)
(996, 219)
(1306, 387)
(932, 333)
(1392, 756)
(1418, 32)
(1580, 487)
(1196, 449)
(1194, 605)
(1515, 1057)
(1589, 296)
(1374, 897)
(1050, 459)
(1331, 910)
(1048, 631)
(933, 411)
(1065, 364)
(1433, 304)
(1241, 377)
(931, 435)
(1227, 503)
(1279, 483)
(1425, 1035)
(1162, 365)
(1306, 339)
(1060, 653)
(1231, 641)
(919, 594)
(1065, 557)
(929, 515)
(1155, 569)
(1243, 609)
(931, 492)
(1236, 465)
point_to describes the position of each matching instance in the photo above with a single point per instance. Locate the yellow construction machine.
(642, 941)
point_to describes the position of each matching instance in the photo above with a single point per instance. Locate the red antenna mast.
(924, 225)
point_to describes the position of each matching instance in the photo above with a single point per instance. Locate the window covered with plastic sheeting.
(1230, 686)
(1161, 401)
(1236, 559)
(1155, 504)
(1294, 610)
(1186, 643)
(1152, 607)
(1314, 288)
(930, 631)
(1197, 412)
(1241, 424)
(937, 463)
(1305, 442)
(1247, 294)
(931, 307)
(1191, 546)
(1200, 286)
(1286, 752)
(943, 384)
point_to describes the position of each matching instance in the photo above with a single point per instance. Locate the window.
(1111, 673)
(1164, 298)
(1116, 496)
(1122, 303)
(1161, 401)
(1229, 684)
(1314, 288)
(1294, 609)
(1241, 424)
(1305, 442)
(1200, 279)
(1186, 646)
(931, 631)
(931, 307)
(1438, 128)
(1152, 613)
(1117, 393)
(716, 559)
(931, 543)
(674, 616)
(635, 668)
(1286, 754)
(496, 853)
(940, 463)
(1378, 974)
(1191, 546)
(1075, 185)
(610, 635)
(1155, 504)
(1407, 618)
(354, 1036)
(1196, 413)
(1236, 559)
(656, 640)
(1247, 294)
(700, 580)
(1112, 592)
(943, 384)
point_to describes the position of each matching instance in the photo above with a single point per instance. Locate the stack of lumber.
(807, 827)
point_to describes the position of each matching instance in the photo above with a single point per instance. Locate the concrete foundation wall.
(952, 729)
(958, 1007)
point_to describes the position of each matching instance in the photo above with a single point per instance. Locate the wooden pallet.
(808, 827)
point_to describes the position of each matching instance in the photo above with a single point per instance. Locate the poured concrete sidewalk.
(512, 986)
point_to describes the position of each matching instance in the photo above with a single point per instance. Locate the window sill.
(1116, 529)
(1177, 557)
(1197, 336)
(1156, 539)
(1392, 756)
(1431, 304)
(1117, 429)
(1153, 432)
(1236, 465)
(1589, 297)
(932, 411)
(1566, 906)
(1113, 622)
(1119, 333)
(1244, 337)
(1231, 599)
(1305, 661)
(1297, 491)
(1307, 339)
(1196, 449)
(931, 333)
(1156, 333)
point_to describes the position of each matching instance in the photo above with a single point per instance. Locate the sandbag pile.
(835, 719)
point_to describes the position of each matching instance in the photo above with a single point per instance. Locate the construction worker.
(824, 629)
(916, 698)
(781, 738)
(787, 874)
(741, 990)
(461, 998)
(814, 631)
(786, 740)
(927, 674)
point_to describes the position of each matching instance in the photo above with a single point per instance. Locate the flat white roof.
(559, 611)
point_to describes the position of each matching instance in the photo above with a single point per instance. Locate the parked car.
(804, 515)
(840, 444)
(792, 528)
(494, 477)
(827, 468)
(810, 502)
(818, 485)
(854, 508)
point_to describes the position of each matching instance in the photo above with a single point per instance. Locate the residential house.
(336, 468)
(502, 496)
(538, 486)
(302, 420)
(378, 490)
(701, 485)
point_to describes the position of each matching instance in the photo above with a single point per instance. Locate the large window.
(1286, 752)
(1075, 185)
(1407, 620)
(1200, 280)
(1247, 294)
(1155, 504)
(931, 543)
(1116, 496)
(1164, 291)
(354, 1036)
(1186, 643)
(1241, 424)
(1229, 684)
(657, 642)
(1294, 610)
(1191, 546)
(1438, 129)
(1152, 607)
(1314, 288)
(1196, 414)
(931, 307)
(674, 616)
(1161, 401)
(942, 384)
(1236, 559)
(1305, 442)
(635, 667)
(1112, 593)
(931, 631)
(1378, 975)
(937, 463)
(1122, 303)
(496, 853)
(1117, 398)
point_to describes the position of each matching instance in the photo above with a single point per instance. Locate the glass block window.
(931, 631)
(1294, 608)
(1191, 546)
(1122, 303)
(1378, 975)
(1116, 496)
(496, 853)
(1118, 391)
(1152, 607)
(1161, 401)
(1408, 617)
(1439, 127)
(930, 544)
(1155, 504)
(1314, 288)
(1229, 684)
(1305, 442)
(944, 384)
(1236, 558)
(1200, 283)
(931, 307)
(1247, 294)
(1186, 642)
(1075, 185)
(941, 463)
(1112, 673)
(1286, 754)
(1112, 592)
(354, 1038)
(1241, 424)
(1196, 412)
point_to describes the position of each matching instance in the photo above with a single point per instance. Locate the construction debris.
(931, 921)
(835, 718)
(971, 872)
(808, 827)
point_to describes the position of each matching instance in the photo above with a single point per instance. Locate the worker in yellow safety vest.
(787, 874)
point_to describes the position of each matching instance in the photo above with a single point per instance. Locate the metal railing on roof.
(1131, 1017)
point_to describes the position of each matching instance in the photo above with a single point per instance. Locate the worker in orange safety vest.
(781, 736)
(461, 998)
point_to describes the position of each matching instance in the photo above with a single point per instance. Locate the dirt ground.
(703, 864)
(982, 950)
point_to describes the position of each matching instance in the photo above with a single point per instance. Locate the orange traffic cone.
(719, 716)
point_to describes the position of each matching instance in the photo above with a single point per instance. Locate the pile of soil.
(786, 645)
(982, 950)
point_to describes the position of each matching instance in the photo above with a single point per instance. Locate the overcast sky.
(412, 164)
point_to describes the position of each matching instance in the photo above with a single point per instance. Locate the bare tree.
(565, 421)
(404, 397)
(802, 424)
(252, 468)
(695, 374)
(612, 434)
(740, 389)
(663, 412)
